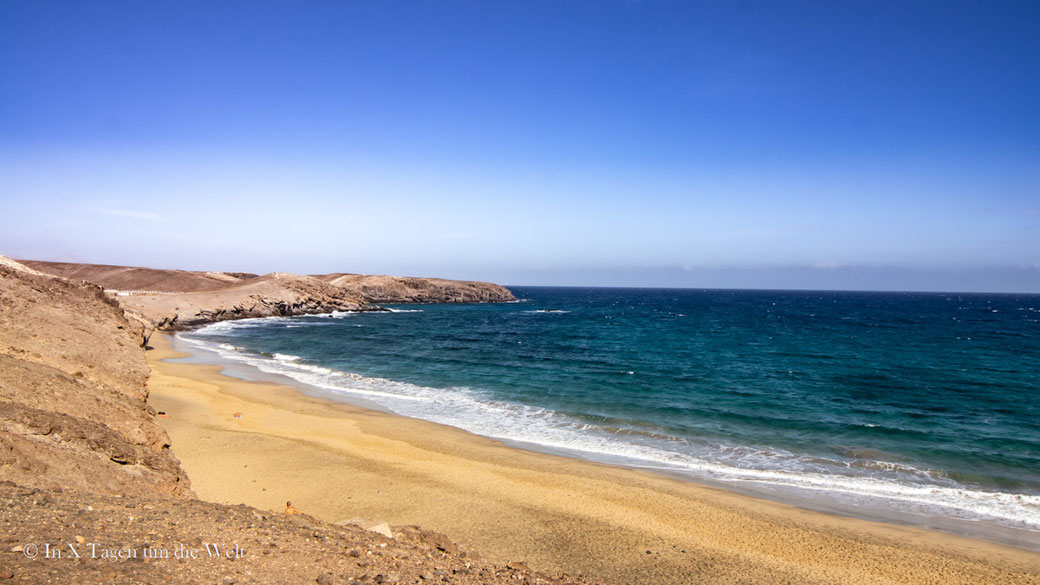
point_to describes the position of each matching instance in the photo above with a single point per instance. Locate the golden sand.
(338, 462)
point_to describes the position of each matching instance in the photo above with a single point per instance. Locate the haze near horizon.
(817, 145)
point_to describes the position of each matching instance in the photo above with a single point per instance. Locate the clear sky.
(831, 144)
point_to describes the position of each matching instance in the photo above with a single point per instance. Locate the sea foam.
(864, 482)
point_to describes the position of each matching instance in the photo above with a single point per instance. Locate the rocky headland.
(404, 289)
(181, 299)
(270, 295)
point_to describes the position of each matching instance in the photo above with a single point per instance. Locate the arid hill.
(72, 392)
(405, 289)
(264, 296)
(85, 470)
(180, 299)
(133, 278)
(367, 288)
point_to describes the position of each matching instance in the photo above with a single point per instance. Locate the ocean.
(921, 408)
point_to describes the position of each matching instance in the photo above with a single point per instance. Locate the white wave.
(550, 311)
(334, 314)
(404, 310)
(223, 327)
(292, 367)
(902, 486)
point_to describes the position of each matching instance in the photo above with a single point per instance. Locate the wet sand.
(338, 462)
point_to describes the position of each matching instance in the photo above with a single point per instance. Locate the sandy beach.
(339, 463)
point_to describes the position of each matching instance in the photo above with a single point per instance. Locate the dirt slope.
(254, 546)
(368, 288)
(142, 279)
(72, 392)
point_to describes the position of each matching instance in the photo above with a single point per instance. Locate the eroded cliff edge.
(72, 392)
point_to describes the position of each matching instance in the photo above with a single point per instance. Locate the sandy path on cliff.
(339, 462)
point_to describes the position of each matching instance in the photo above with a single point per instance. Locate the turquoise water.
(920, 404)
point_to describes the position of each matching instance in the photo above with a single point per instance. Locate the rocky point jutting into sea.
(85, 468)
(180, 299)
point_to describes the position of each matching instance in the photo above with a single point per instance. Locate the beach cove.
(343, 463)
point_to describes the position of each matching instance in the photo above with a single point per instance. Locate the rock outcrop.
(271, 295)
(72, 392)
(406, 289)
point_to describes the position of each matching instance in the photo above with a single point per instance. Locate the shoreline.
(339, 462)
(818, 501)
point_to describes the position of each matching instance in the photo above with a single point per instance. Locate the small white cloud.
(131, 213)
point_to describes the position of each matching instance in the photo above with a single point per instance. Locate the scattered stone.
(382, 528)
(439, 541)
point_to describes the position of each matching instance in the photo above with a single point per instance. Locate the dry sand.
(339, 462)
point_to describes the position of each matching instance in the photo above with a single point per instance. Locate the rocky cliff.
(72, 392)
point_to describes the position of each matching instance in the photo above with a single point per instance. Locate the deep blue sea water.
(918, 404)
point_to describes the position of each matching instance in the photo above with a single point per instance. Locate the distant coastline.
(182, 299)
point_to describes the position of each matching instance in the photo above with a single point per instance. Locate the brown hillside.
(136, 278)
(72, 392)
(363, 287)
(405, 289)
(271, 295)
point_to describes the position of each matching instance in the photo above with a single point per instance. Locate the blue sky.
(879, 145)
